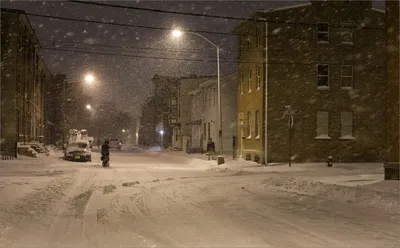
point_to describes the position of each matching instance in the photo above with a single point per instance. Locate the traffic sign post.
(290, 112)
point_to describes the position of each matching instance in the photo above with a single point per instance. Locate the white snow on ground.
(150, 199)
(358, 183)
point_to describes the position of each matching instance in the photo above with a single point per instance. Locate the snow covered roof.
(379, 10)
(286, 7)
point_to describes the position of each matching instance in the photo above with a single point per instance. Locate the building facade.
(204, 112)
(24, 77)
(182, 132)
(327, 62)
(392, 86)
(54, 109)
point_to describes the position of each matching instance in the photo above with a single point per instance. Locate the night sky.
(127, 80)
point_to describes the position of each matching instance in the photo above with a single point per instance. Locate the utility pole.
(290, 112)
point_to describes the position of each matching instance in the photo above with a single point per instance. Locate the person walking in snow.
(210, 148)
(105, 153)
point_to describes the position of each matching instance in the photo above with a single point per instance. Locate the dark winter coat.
(105, 150)
(210, 146)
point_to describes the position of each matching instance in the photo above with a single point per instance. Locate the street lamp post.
(178, 33)
(162, 139)
(76, 111)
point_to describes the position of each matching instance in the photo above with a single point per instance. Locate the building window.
(209, 130)
(241, 83)
(346, 121)
(322, 125)
(248, 131)
(204, 131)
(248, 44)
(258, 36)
(241, 48)
(323, 32)
(257, 124)
(250, 79)
(323, 76)
(213, 96)
(347, 34)
(258, 77)
(205, 99)
(210, 98)
(347, 76)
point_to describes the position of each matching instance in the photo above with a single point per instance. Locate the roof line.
(379, 10)
(285, 8)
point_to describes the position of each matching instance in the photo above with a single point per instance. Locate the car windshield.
(198, 123)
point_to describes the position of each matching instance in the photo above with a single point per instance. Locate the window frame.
(343, 126)
(322, 32)
(352, 77)
(258, 72)
(258, 37)
(248, 126)
(346, 28)
(324, 87)
(257, 124)
(250, 79)
(242, 83)
(326, 126)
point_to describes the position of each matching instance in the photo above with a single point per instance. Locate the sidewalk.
(359, 183)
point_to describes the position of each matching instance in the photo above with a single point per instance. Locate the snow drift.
(387, 200)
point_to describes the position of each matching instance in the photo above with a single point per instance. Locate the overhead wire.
(206, 15)
(242, 61)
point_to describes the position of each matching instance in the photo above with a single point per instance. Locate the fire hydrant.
(329, 161)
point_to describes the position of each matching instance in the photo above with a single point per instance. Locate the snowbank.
(370, 195)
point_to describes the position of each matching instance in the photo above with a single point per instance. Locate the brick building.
(54, 106)
(392, 86)
(324, 58)
(24, 77)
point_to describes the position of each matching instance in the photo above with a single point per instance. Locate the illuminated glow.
(177, 33)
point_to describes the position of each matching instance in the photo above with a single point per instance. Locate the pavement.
(169, 199)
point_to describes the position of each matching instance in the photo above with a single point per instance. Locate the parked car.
(78, 151)
(115, 143)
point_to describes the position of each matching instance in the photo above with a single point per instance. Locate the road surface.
(153, 200)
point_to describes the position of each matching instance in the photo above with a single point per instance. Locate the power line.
(200, 51)
(157, 28)
(288, 62)
(207, 15)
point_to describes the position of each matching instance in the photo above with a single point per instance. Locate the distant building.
(182, 131)
(326, 59)
(204, 112)
(24, 77)
(392, 86)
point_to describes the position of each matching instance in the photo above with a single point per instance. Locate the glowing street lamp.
(88, 106)
(123, 130)
(177, 33)
(89, 78)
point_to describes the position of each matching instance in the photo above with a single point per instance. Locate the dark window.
(323, 76)
(323, 32)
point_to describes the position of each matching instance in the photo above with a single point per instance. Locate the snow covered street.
(148, 199)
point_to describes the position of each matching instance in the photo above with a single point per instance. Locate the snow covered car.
(78, 151)
(115, 143)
